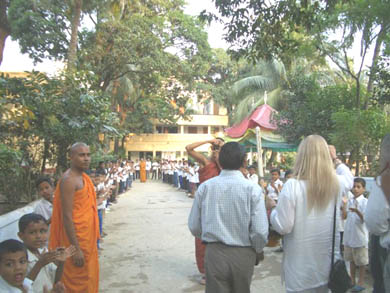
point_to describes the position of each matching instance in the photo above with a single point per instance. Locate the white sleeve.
(258, 230)
(283, 216)
(194, 220)
(376, 215)
(345, 178)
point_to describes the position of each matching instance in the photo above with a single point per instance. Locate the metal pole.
(259, 152)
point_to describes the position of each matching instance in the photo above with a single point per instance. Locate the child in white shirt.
(33, 231)
(356, 233)
(275, 186)
(45, 190)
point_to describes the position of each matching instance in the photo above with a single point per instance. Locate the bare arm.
(43, 260)
(197, 156)
(59, 271)
(68, 189)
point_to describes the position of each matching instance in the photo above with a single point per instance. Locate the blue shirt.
(230, 209)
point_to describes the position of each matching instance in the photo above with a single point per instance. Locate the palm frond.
(258, 82)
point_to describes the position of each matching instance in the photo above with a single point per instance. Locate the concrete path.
(150, 249)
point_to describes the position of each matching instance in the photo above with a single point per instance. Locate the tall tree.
(5, 29)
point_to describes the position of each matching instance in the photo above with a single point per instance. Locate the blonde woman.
(304, 215)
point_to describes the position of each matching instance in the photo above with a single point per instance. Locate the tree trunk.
(72, 50)
(271, 160)
(62, 161)
(45, 155)
(5, 30)
(116, 145)
(374, 63)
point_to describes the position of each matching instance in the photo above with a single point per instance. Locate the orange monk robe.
(142, 172)
(85, 219)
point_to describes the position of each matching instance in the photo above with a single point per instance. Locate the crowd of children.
(27, 265)
(182, 174)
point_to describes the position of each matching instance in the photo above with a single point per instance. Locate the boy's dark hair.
(43, 179)
(11, 246)
(30, 218)
(232, 156)
(252, 167)
(288, 172)
(361, 181)
(275, 170)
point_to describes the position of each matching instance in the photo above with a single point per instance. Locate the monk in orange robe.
(142, 171)
(75, 222)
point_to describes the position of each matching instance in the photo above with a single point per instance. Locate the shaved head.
(76, 146)
(385, 151)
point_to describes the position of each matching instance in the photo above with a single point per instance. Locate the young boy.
(252, 175)
(13, 267)
(275, 186)
(355, 233)
(33, 231)
(45, 190)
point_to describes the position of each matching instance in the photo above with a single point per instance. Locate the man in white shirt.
(148, 168)
(377, 219)
(155, 170)
(136, 167)
(229, 215)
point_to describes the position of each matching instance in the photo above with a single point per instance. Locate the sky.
(15, 61)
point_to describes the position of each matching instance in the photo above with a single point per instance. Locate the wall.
(9, 222)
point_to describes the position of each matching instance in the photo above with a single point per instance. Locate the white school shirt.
(377, 215)
(46, 274)
(44, 208)
(136, 166)
(103, 204)
(148, 165)
(154, 166)
(7, 288)
(254, 178)
(307, 240)
(271, 191)
(192, 178)
(355, 230)
(180, 169)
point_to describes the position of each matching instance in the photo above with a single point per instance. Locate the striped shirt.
(230, 209)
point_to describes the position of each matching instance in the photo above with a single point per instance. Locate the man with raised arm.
(75, 222)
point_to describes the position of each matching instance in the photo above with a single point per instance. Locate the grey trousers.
(229, 269)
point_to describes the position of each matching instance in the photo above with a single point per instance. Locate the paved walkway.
(150, 249)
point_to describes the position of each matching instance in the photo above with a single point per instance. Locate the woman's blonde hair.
(314, 165)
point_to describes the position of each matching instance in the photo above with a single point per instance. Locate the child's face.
(35, 235)
(13, 268)
(252, 171)
(46, 191)
(358, 189)
(274, 176)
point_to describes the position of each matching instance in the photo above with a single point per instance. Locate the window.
(205, 130)
(192, 129)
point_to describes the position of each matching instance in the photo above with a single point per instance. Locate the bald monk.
(75, 221)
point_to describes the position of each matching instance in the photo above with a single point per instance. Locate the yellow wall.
(176, 142)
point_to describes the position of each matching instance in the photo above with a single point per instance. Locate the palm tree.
(265, 78)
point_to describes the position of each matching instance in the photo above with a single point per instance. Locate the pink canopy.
(260, 117)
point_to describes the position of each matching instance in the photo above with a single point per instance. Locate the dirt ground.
(150, 249)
